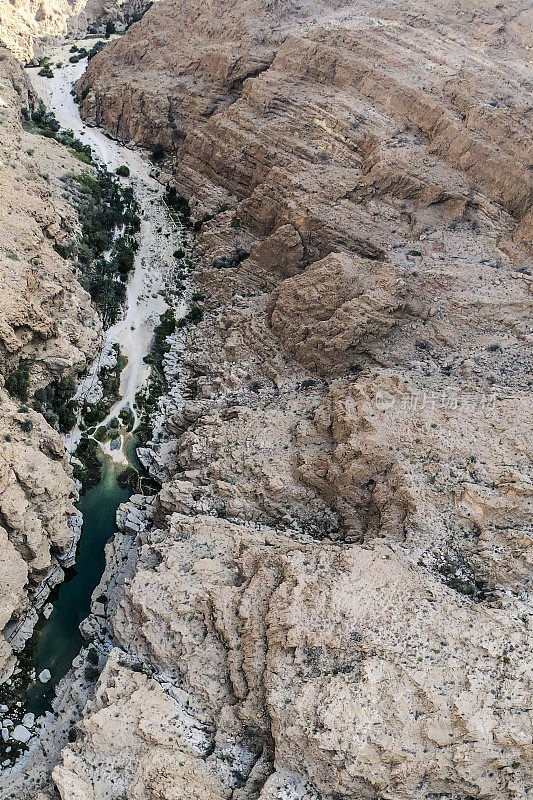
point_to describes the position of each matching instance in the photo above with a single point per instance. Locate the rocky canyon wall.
(48, 327)
(331, 595)
(23, 23)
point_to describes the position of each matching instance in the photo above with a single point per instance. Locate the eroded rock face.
(37, 497)
(334, 310)
(45, 315)
(331, 595)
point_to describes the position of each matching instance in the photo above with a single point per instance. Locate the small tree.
(46, 72)
(123, 171)
(110, 29)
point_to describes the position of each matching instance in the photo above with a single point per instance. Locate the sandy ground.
(158, 237)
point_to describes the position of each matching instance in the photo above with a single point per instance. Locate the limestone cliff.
(48, 325)
(331, 595)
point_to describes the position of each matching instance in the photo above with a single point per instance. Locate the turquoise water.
(57, 640)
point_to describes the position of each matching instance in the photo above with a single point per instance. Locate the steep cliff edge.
(331, 595)
(48, 330)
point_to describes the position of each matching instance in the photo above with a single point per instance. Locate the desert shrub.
(123, 171)
(95, 49)
(18, 382)
(177, 204)
(124, 256)
(227, 262)
(56, 403)
(166, 327)
(96, 413)
(101, 433)
(102, 207)
(91, 673)
(195, 314)
(26, 425)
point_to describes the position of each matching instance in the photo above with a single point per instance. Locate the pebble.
(6, 763)
(45, 676)
(7, 723)
(5, 734)
(28, 720)
(3, 709)
(21, 734)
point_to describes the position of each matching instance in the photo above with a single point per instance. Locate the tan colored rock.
(335, 581)
(14, 576)
(282, 251)
(327, 316)
(141, 759)
(368, 673)
(36, 504)
(45, 316)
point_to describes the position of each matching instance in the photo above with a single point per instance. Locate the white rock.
(21, 734)
(5, 734)
(3, 709)
(45, 676)
(7, 723)
(6, 763)
(28, 720)
(47, 610)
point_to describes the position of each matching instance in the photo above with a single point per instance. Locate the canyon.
(328, 593)
(26, 24)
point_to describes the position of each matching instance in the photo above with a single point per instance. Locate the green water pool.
(57, 640)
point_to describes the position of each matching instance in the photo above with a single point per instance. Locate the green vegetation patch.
(18, 382)
(57, 405)
(44, 123)
(88, 473)
(127, 417)
(46, 72)
(103, 260)
(178, 205)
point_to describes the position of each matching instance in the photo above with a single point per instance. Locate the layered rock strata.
(330, 597)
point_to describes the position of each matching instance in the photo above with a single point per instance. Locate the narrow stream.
(58, 640)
